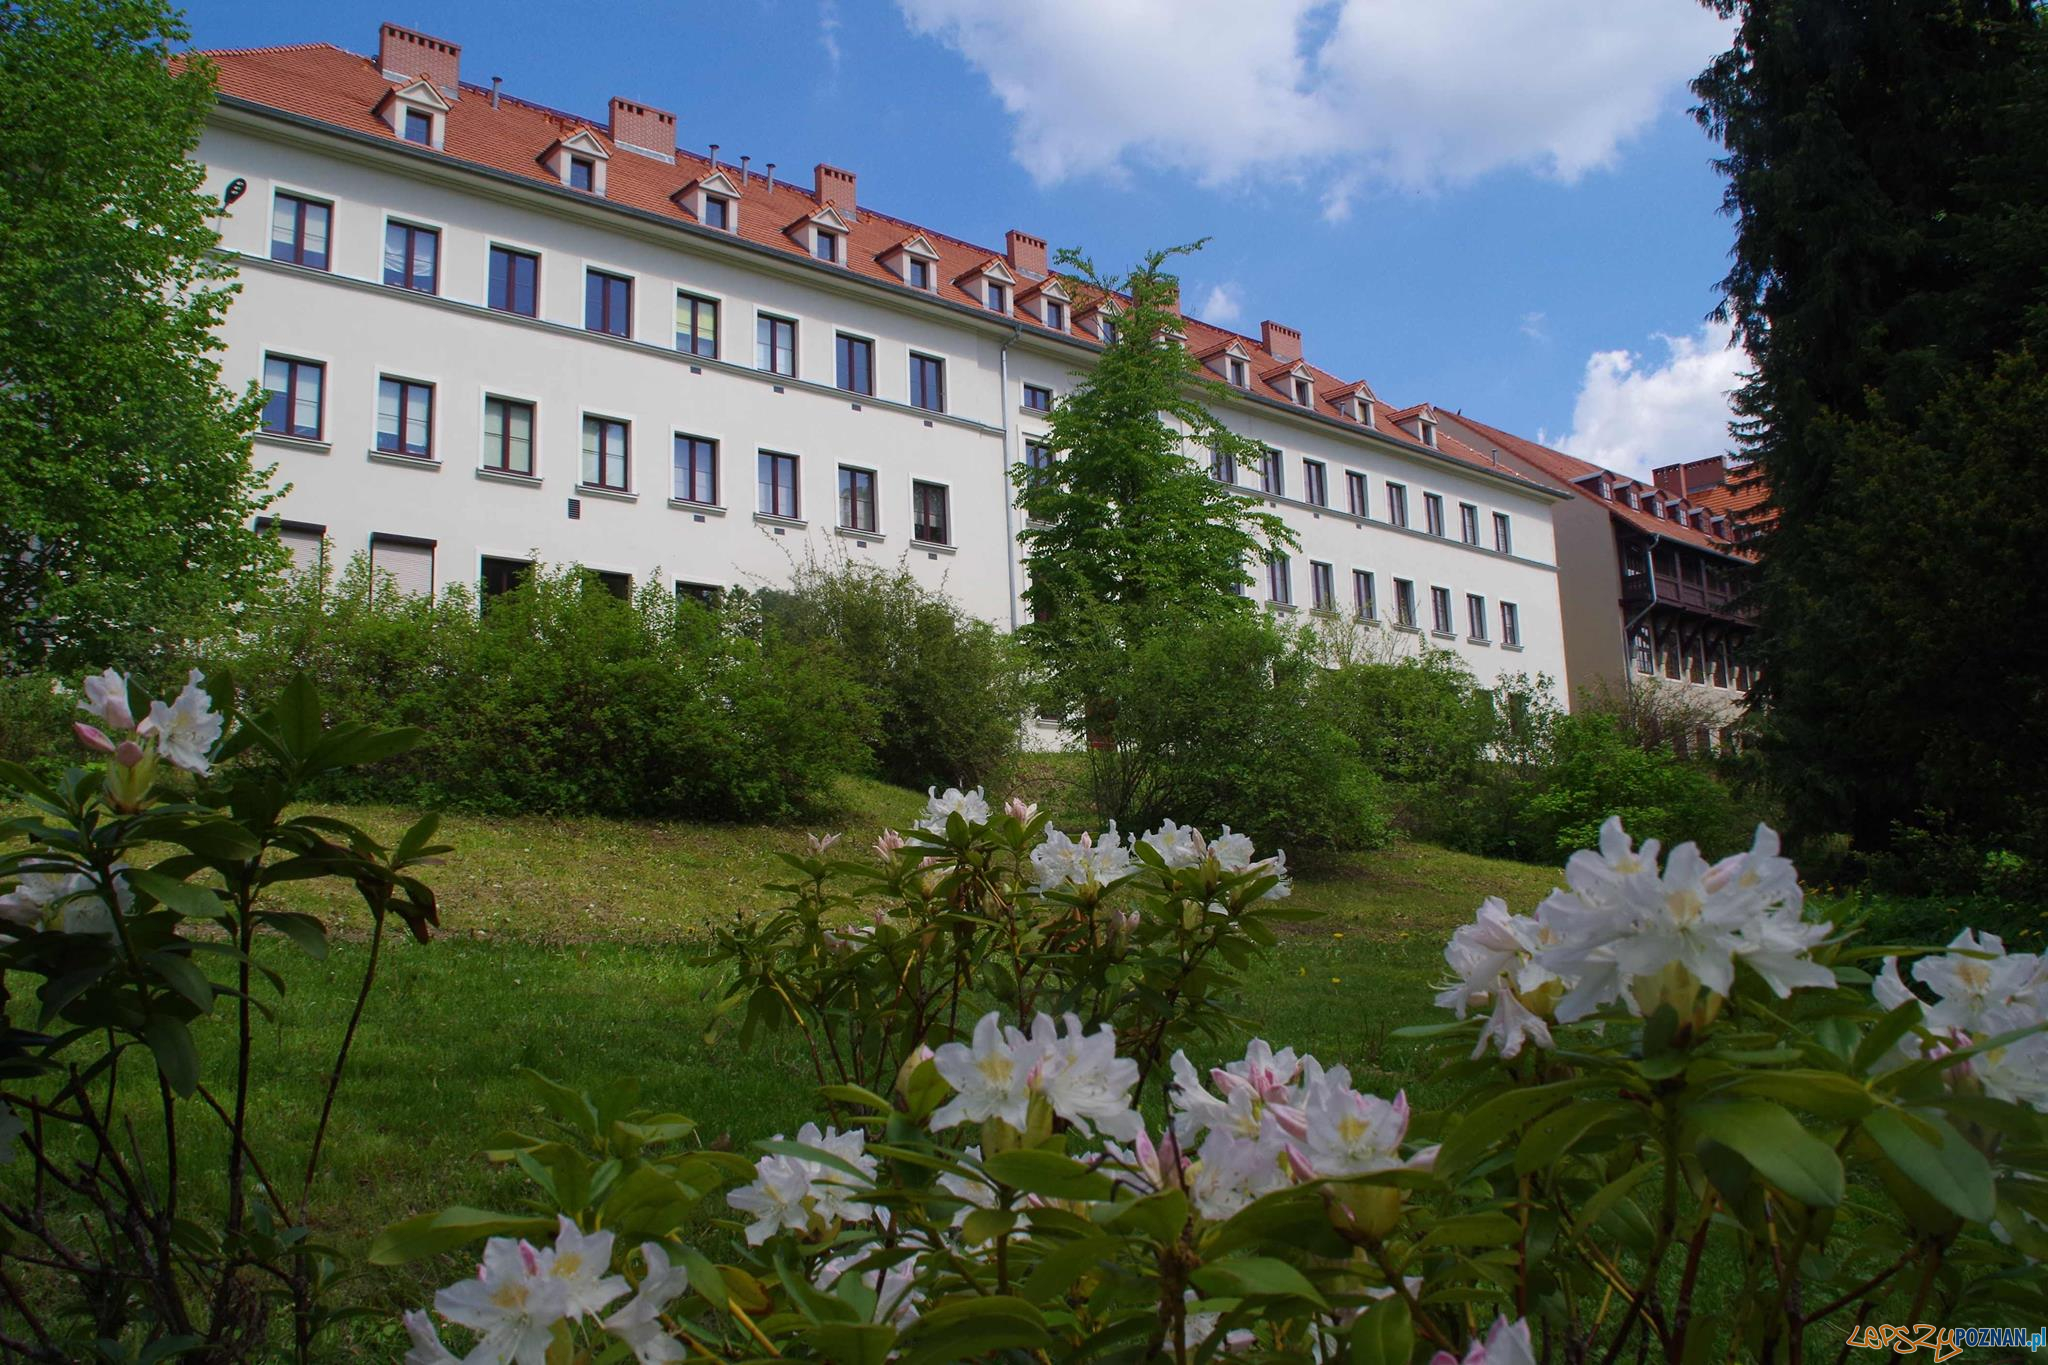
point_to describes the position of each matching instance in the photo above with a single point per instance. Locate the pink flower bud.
(128, 753)
(888, 844)
(821, 844)
(92, 737)
(1022, 811)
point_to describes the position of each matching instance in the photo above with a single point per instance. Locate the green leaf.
(1829, 1094)
(1884, 1034)
(196, 902)
(1035, 1171)
(1937, 1158)
(1473, 1230)
(1478, 1131)
(429, 1234)
(965, 1327)
(1384, 1334)
(1776, 1147)
(308, 934)
(985, 1225)
(853, 1343)
(1057, 1270)
(183, 977)
(1551, 1136)
(1248, 1277)
(171, 1043)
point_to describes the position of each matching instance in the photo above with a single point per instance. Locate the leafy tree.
(126, 487)
(1889, 185)
(1126, 530)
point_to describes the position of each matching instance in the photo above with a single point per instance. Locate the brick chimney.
(835, 187)
(1283, 342)
(1026, 253)
(1683, 480)
(644, 129)
(401, 54)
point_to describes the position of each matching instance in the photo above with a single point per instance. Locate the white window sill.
(770, 519)
(704, 509)
(852, 534)
(427, 462)
(591, 490)
(933, 547)
(1281, 606)
(1478, 640)
(1367, 621)
(1517, 649)
(1444, 634)
(305, 443)
(1408, 630)
(507, 476)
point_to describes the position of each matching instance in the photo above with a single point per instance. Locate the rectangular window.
(582, 173)
(1322, 581)
(920, 274)
(1273, 474)
(1280, 580)
(1433, 513)
(1503, 534)
(1037, 459)
(405, 417)
(1363, 599)
(697, 325)
(825, 246)
(856, 363)
(930, 521)
(514, 276)
(1468, 523)
(299, 229)
(607, 453)
(1056, 315)
(1475, 616)
(1239, 373)
(778, 485)
(1354, 494)
(717, 212)
(706, 595)
(412, 257)
(1304, 394)
(1038, 398)
(1404, 603)
(775, 345)
(508, 436)
(696, 470)
(857, 499)
(927, 382)
(998, 296)
(296, 406)
(1510, 624)
(1440, 610)
(613, 583)
(500, 576)
(608, 304)
(1315, 482)
(1105, 328)
(1222, 466)
(419, 127)
(1397, 504)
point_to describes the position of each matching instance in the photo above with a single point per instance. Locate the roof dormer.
(1294, 381)
(1231, 362)
(416, 112)
(914, 261)
(712, 200)
(822, 235)
(1356, 403)
(1048, 301)
(1099, 319)
(990, 284)
(1419, 422)
(578, 161)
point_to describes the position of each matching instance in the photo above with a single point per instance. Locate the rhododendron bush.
(1690, 1121)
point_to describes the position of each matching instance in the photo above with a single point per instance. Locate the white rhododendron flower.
(579, 1260)
(69, 902)
(897, 1297)
(1354, 1134)
(971, 1190)
(512, 1301)
(106, 699)
(1506, 1343)
(1980, 992)
(1085, 1081)
(991, 1077)
(1178, 846)
(187, 729)
(788, 1191)
(778, 1196)
(1079, 1076)
(426, 1342)
(638, 1322)
(970, 806)
(1088, 861)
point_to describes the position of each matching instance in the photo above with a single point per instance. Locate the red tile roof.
(329, 85)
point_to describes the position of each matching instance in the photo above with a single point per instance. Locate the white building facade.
(495, 334)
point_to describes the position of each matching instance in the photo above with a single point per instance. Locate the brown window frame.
(407, 388)
(923, 494)
(927, 372)
(502, 460)
(409, 237)
(294, 251)
(507, 301)
(625, 453)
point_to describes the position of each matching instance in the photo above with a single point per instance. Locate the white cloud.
(1222, 305)
(1632, 415)
(1416, 94)
(1535, 326)
(828, 32)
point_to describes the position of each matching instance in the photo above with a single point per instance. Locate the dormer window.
(712, 200)
(825, 246)
(582, 173)
(1105, 328)
(822, 235)
(718, 212)
(1304, 393)
(578, 162)
(1239, 372)
(1056, 315)
(419, 127)
(920, 274)
(998, 296)
(415, 112)
(1429, 434)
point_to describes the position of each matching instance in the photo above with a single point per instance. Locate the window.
(1105, 328)
(929, 521)
(1511, 624)
(513, 278)
(582, 173)
(1644, 653)
(1037, 459)
(696, 470)
(997, 295)
(1475, 616)
(1279, 580)
(1239, 375)
(1304, 393)
(606, 451)
(1404, 603)
(718, 212)
(927, 382)
(775, 345)
(1428, 433)
(1222, 466)
(405, 417)
(1315, 482)
(857, 499)
(1440, 610)
(612, 583)
(1363, 599)
(856, 363)
(920, 274)
(1272, 474)
(697, 325)
(500, 576)
(508, 436)
(1397, 504)
(1056, 315)
(706, 595)
(419, 127)
(1468, 523)
(825, 246)
(412, 257)
(297, 388)
(1433, 513)
(1354, 493)
(1322, 586)
(1503, 533)
(608, 304)
(1038, 398)
(778, 485)
(298, 231)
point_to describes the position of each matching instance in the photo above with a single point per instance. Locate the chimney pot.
(1283, 342)
(771, 175)
(1026, 253)
(743, 168)
(836, 187)
(402, 53)
(497, 83)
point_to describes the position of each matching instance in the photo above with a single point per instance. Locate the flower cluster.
(804, 1196)
(1087, 862)
(1077, 1076)
(182, 733)
(65, 901)
(1627, 931)
(969, 806)
(521, 1292)
(1981, 992)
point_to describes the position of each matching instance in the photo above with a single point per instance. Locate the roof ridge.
(273, 47)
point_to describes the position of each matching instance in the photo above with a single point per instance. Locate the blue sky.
(1490, 204)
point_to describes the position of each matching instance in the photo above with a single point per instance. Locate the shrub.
(34, 715)
(946, 689)
(1593, 770)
